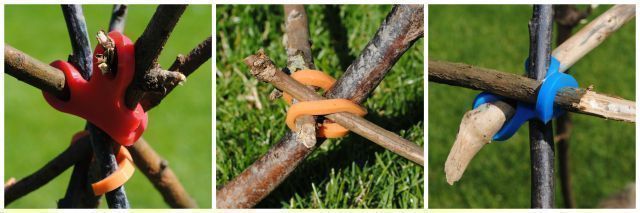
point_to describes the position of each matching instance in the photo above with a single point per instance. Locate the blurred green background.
(179, 128)
(351, 172)
(602, 152)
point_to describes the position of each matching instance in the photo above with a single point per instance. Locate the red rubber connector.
(101, 99)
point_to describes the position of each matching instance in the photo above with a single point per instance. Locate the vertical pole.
(79, 193)
(540, 134)
(101, 143)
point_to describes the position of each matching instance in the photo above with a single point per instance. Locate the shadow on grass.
(353, 149)
(338, 35)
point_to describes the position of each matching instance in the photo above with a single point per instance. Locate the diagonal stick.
(492, 116)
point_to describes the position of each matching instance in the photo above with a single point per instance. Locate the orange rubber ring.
(117, 178)
(313, 78)
(323, 107)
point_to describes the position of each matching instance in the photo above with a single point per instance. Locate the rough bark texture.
(185, 65)
(264, 69)
(566, 17)
(76, 152)
(147, 50)
(402, 27)
(521, 88)
(298, 45)
(273, 167)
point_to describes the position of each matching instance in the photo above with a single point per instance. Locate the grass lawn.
(345, 173)
(602, 152)
(179, 128)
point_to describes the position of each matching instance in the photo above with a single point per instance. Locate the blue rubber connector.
(543, 110)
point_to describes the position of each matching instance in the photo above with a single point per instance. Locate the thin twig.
(298, 48)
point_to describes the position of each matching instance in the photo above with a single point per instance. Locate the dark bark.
(540, 134)
(49, 79)
(158, 172)
(147, 49)
(402, 27)
(520, 88)
(102, 146)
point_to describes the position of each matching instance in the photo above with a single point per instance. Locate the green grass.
(179, 128)
(602, 152)
(345, 173)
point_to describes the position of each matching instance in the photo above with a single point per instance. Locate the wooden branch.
(618, 15)
(592, 35)
(47, 78)
(33, 72)
(520, 88)
(158, 172)
(77, 27)
(247, 189)
(118, 18)
(541, 144)
(265, 70)
(148, 76)
(185, 65)
(403, 26)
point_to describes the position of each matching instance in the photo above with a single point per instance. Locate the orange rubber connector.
(117, 178)
(328, 129)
